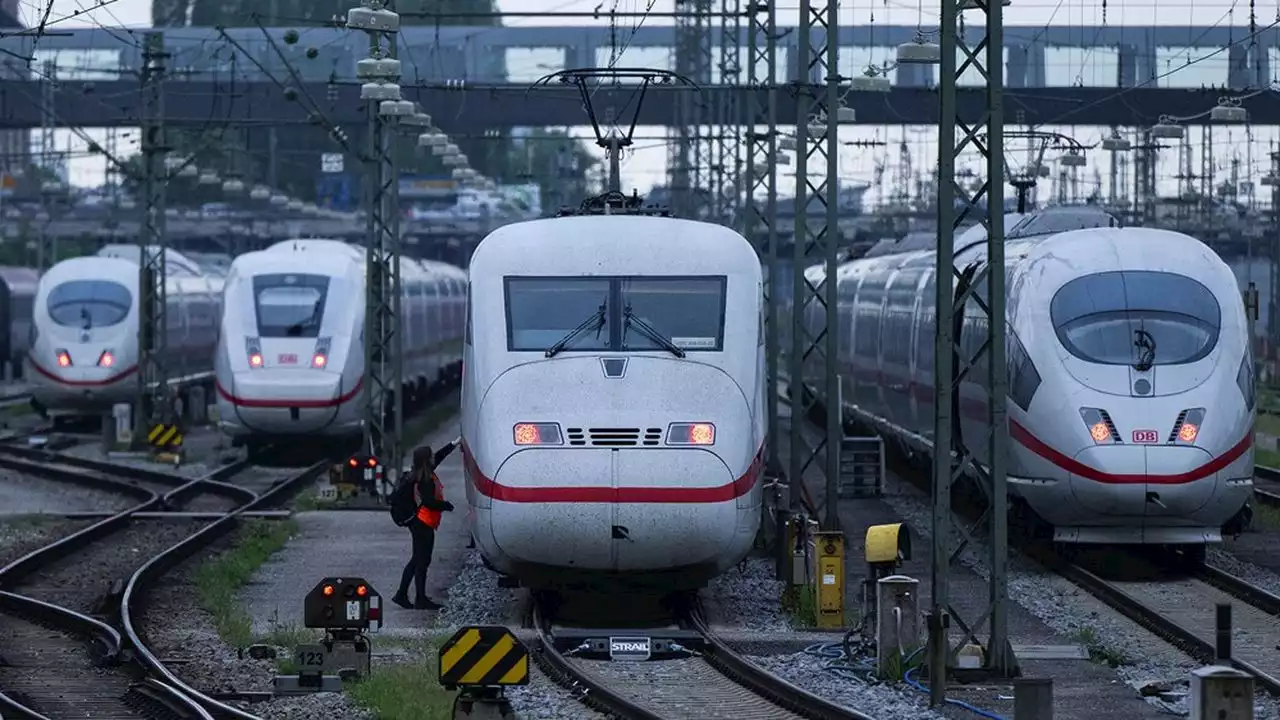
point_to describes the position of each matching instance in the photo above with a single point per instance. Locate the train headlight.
(64, 358)
(318, 361)
(536, 434)
(254, 351)
(1101, 429)
(106, 359)
(1187, 427)
(691, 434)
(321, 356)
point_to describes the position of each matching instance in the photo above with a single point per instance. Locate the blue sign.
(335, 191)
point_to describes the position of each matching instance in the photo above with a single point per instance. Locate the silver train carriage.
(84, 346)
(17, 296)
(612, 403)
(290, 363)
(1131, 388)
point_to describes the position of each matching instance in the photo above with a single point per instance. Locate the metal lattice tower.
(154, 402)
(689, 158)
(46, 256)
(383, 412)
(761, 197)
(816, 240)
(979, 288)
(727, 172)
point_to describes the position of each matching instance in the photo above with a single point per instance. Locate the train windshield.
(1139, 318)
(289, 305)
(88, 304)
(542, 312)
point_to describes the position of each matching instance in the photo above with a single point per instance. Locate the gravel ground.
(21, 535)
(749, 597)
(93, 451)
(1067, 609)
(80, 582)
(21, 493)
(1262, 577)
(474, 598)
(883, 702)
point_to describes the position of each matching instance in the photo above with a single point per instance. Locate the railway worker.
(429, 499)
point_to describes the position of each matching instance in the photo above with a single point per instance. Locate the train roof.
(615, 244)
(331, 256)
(175, 262)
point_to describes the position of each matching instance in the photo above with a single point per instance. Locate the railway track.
(712, 682)
(74, 651)
(1266, 485)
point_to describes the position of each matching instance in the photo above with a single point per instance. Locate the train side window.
(1024, 379)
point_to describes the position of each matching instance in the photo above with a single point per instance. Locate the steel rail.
(590, 691)
(764, 683)
(1267, 497)
(1152, 620)
(1240, 589)
(64, 617)
(166, 560)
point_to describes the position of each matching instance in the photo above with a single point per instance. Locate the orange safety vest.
(429, 517)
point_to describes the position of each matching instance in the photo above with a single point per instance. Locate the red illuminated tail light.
(698, 433)
(255, 360)
(536, 434)
(318, 361)
(64, 358)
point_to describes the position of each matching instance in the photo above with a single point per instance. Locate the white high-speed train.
(290, 362)
(613, 400)
(84, 349)
(1131, 389)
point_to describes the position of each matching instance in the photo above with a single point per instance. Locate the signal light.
(352, 462)
(373, 462)
(362, 590)
(255, 360)
(106, 359)
(536, 434)
(349, 591)
(64, 358)
(318, 361)
(328, 590)
(691, 434)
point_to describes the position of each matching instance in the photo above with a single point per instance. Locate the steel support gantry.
(817, 240)
(154, 401)
(965, 298)
(726, 170)
(761, 196)
(384, 404)
(689, 157)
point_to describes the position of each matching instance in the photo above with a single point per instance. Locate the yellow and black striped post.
(165, 436)
(483, 656)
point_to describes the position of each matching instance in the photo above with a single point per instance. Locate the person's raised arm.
(443, 452)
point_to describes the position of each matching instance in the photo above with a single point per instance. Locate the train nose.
(285, 400)
(626, 510)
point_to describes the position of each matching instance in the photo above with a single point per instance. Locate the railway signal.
(345, 608)
(481, 661)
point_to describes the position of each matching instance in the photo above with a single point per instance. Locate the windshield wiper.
(86, 317)
(1146, 350)
(596, 320)
(649, 331)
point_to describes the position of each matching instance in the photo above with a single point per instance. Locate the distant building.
(15, 145)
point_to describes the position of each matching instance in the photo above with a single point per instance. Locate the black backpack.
(403, 508)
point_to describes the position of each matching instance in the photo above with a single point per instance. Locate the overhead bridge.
(117, 103)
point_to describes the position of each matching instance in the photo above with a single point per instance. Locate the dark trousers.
(424, 542)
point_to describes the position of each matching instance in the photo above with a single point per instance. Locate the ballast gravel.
(1148, 664)
(20, 535)
(475, 598)
(749, 597)
(883, 702)
(21, 493)
(1247, 571)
